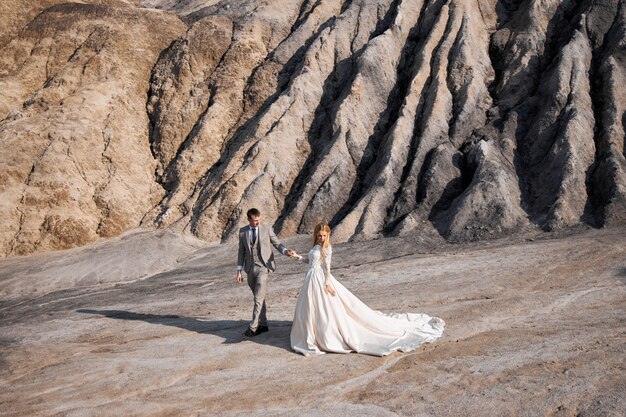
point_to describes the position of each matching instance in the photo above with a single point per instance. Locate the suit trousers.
(257, 281)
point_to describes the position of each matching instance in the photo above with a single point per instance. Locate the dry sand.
(149, 324)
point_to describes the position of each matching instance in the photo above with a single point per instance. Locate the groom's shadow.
(230, 330)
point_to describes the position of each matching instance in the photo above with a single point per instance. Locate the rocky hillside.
(466, 118)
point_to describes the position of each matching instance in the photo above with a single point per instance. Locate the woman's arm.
(303, 259)
(326, 268)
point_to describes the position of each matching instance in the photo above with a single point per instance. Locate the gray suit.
(257, 259)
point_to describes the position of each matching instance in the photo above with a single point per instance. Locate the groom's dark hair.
(253, 213)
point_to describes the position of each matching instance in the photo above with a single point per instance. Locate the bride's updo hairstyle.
(326, 244)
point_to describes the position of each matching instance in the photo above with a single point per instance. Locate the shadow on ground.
(621, 274)
(230, 330)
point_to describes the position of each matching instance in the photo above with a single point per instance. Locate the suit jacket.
(265, 238)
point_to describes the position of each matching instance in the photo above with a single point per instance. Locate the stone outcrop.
(75, 164)
(470, 119)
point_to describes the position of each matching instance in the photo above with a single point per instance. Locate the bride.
(329, 318)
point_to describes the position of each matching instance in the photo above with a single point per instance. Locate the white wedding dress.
(343, 323)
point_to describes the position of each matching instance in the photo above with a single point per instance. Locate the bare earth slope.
(472, 119)
(534, 328)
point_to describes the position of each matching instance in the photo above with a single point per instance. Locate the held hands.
(292, 254)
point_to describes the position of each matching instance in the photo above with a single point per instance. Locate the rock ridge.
(468, 119)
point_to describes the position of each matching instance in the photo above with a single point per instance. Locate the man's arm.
(240, 259)
(278, 245)
(241, 253)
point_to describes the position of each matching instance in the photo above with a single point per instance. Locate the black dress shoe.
(249, 333)
(262, 329)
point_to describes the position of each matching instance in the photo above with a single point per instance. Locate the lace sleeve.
(326, 264)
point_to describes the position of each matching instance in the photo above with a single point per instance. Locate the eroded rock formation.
(475, 118)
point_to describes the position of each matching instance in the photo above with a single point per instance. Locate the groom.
(256, 258)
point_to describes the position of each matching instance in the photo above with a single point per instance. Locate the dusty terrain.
(136, 131)
(149, 324)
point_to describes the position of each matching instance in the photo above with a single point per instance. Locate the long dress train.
(343, 323)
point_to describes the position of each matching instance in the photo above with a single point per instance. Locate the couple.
(328, 317)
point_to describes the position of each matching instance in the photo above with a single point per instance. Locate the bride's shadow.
(230, 330)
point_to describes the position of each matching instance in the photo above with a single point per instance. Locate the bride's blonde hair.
(326, 244)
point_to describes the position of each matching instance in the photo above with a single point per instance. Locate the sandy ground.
(150, 324)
